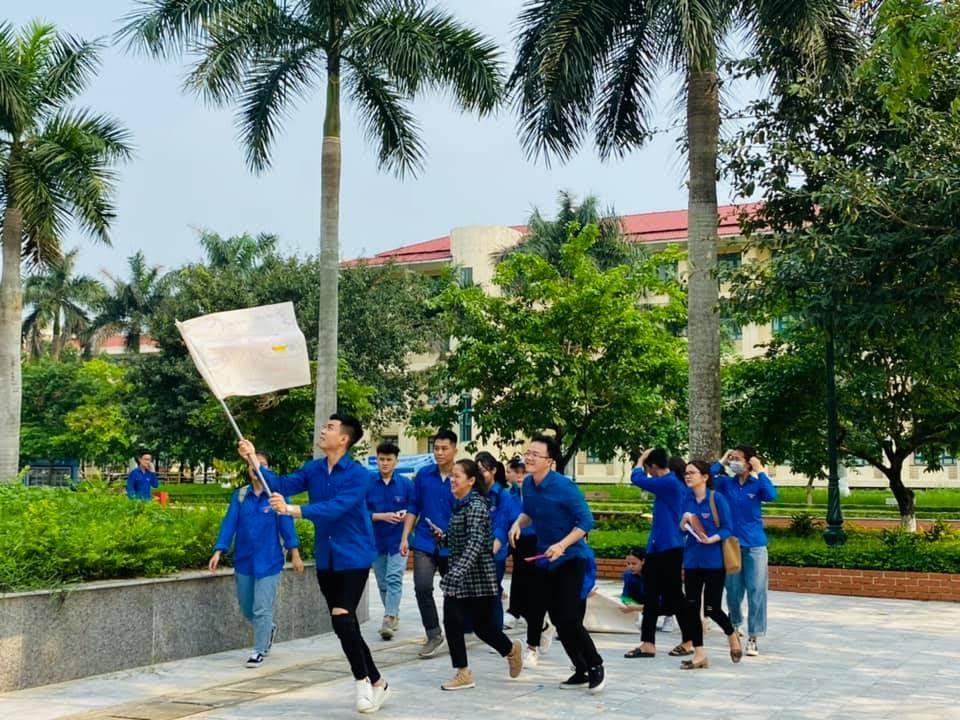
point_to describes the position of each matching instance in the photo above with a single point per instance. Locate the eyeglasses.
(531, 454)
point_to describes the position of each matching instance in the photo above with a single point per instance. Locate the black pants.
(559, 591)
(344, 589)
(459, 613)
(663, 588)
(708, 584)
(522, 579)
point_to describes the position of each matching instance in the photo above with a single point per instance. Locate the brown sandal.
(680, 651)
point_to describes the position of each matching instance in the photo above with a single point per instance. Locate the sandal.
(680, 651)
(736, 654)
(638, 653)
(691, 665)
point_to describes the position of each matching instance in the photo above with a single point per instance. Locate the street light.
(834, 534)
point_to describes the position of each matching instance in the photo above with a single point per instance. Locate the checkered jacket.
(472, 572)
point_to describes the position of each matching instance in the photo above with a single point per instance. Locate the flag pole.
(205, 373)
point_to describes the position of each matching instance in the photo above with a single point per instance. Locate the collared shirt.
(343, 532)
(256, 532)
(707, 556)
(516, 492)
(745, 503)
(557, 506)
(139, 482)
(504, 511)
(669, 497)
(431, 499)
(633, 588)
(385, 497)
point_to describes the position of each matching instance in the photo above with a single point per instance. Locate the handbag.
(731, 546)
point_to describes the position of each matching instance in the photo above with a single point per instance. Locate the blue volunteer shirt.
(589, 575)
(431, 499)
(385, 497)
(516, 492)
(139, 483)
(557, 506)
(707, 556)
(343, 532)
(745, 502)
(669, 497)
(632, 587)
(256, 532)
(504, 510)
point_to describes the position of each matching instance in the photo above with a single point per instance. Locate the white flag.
(248, 352)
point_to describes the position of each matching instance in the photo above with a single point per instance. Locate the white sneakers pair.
(370, 698)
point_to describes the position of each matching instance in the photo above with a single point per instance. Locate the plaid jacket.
(472, 572)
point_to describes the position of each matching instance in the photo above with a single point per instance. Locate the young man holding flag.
(344, 544)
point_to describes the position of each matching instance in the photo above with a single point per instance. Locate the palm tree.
(243, 253)
(545, 237)
(59, 299)
(128, 305)
(264, 54)
(583, 62)
(54, 166)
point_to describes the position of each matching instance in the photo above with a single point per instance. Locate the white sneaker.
(511, 622)
(752, 649)
(707, 625)
(669, 624)
(532, 658)
(378, 697)
(546, 638)
(364, 696)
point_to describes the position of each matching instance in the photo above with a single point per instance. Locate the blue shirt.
(557, 506)
(388, 497)
(745, 503)
(707, 556)
(669, 498)
(343, 532)
(431, 499)
(633, 587)
(589, 575)
(516, 492)
(256, 532)
(139, 483)
(504, 511)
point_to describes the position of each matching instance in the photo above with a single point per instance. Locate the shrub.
(805, 525)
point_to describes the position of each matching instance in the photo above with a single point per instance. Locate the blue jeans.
(752, 581)
(388, 570)
(256, 597)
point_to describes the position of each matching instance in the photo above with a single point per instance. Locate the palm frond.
(34, 184)
(164, 27)
(13, 87)
(71, 64)
(387, 121)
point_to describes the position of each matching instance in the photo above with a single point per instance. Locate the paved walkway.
(826, 658)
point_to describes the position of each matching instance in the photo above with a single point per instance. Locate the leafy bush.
(805, 525)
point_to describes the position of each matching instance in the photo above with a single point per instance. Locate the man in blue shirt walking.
(343, 540)
(555, 504)
(142, 478)
(387, 500)
(432, 503)
(256, 531)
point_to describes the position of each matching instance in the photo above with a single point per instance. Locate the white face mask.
(736, 467)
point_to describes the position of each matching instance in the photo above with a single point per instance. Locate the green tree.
(59, 301)
(128, 306)
(55, 165)
(263, 54)
(860, 217)
(244, 253)
(597, 61)
(579, 351)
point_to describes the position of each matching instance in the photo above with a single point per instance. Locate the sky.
(188, 171)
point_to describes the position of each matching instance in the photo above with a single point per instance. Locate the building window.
(730, 330)
(946, 459)
(667, 272)
(780, 324)
(593, 458)
(466, 276)
(856, 462)
(727, 262)
(392, 439)
(466, 419)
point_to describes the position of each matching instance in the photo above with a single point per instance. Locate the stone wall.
(93, 628)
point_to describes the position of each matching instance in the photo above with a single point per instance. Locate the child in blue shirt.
(256, 533)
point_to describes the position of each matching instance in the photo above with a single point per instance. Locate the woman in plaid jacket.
(470, 587)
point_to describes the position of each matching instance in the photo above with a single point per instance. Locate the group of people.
(462, 518)
(683, 564)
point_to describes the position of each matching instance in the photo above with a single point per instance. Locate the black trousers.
(558, 590)
(461, 613)
(663, 583)
(522, 578)
(344, 589)
(707, 584)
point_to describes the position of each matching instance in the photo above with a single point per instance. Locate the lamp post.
(834, 534)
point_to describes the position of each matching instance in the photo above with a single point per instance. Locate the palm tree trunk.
(326, 400)
(55, 340)
(703, 319)
(11, 311)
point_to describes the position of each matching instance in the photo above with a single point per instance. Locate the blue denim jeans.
(751, 580)
(388, 570)
(256, 597)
